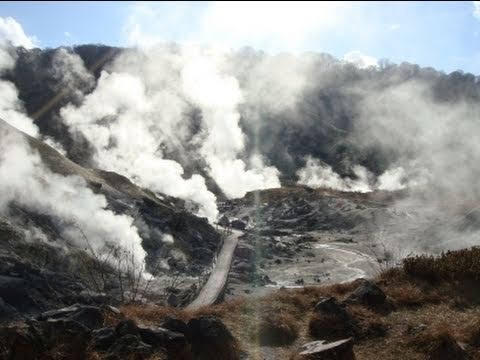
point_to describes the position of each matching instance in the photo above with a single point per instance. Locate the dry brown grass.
(470, 333)
(329, 327)
(368, 324)
(411, 295)
(439, 343)
(413, 330)
(277, 329)
(457, 265)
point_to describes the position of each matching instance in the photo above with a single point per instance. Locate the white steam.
(392, 179)
(218, 95)
(138, 112)
(316, 174)
(11, 109)
(25, 181)
(124, 124)
(360, 59)
(70, 73)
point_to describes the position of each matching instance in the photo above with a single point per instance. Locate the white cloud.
(11, 30)
(360, 59)
(476, 9)
(281, 26)
(67, 34)
(284, 25)
(394, 27)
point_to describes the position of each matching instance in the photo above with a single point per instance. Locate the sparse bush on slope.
(459, 265)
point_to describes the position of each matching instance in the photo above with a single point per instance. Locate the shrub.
(368, 324)
(411, 296)
(277, 329)
(451, 265)
(439, 344)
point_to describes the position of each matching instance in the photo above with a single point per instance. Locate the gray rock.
(127, 327)
(210, 339)
(244, 251)
(103, 338)
(321, 350)
(89, 316)
(175, 325)
(238, 224)
(130, 346)
(160, 337)
(223, 221)
(331, 306)
(369, 294)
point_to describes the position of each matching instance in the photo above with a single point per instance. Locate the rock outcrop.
(321, 350)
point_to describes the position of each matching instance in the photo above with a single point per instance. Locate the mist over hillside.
(184, 196)
(200, 124)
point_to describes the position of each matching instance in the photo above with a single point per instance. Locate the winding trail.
(215, 285)
(353, 260)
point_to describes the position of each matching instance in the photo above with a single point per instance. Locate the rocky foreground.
(429, 308)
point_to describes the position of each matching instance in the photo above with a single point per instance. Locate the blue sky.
(444, 35)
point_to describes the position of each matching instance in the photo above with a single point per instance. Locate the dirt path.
(218, 277)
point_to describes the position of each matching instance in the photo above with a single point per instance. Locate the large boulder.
(330, 321)
(244, 251)
(368, 294)
(238, 224)
(446, 349)
(321, 350)
(102, 339)
(175, 325)
(224, 222)
(127, 327)
(210, 339)
(8, 312)
(66, 331)
(17, 342)
(129, 347)
(160, 337)
(174, 343)
(331, 306)
(18, 293)
(63, 335)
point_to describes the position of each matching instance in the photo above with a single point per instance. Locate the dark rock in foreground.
(330, 321)
(368, 294)
(210, 339)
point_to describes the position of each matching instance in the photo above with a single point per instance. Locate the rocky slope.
(40, 269)
(296, 236)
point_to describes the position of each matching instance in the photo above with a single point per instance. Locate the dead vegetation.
(426, 293)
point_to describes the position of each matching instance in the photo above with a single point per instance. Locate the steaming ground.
(301, 236)
(164, 136)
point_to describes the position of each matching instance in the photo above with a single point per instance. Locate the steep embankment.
(34, 242)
